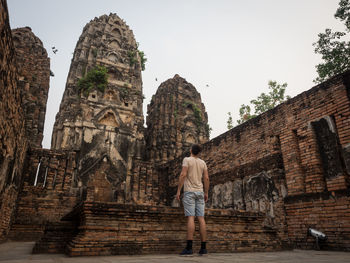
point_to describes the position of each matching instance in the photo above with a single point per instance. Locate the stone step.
(114, 229)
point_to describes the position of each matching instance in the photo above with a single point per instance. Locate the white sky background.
(234, 46)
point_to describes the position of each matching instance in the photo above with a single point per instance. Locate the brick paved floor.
(14, 252)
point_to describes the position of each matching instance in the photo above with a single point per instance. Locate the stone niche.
(105, 182)
(329, 147)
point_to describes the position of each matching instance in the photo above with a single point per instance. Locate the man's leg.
(190, 227)
(200, 207)
(203, 233)
(202, 228)
(189, 208)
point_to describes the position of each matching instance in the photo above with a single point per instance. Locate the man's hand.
(205, 197)
(178, 196)
(206, 185)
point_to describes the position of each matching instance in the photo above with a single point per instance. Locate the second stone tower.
(176, 119)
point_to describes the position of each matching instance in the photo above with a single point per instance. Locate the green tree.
(335, 51)
(262, 103)
(95, 78)
(245, 114)
(143, 60)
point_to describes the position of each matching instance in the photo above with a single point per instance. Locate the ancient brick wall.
(327, 212)
(52, 187)
(176, 118)
(33, 67)
(316, 145)
(297, 149)
(13, 143)
(48, 192)
(145, 184)
(316, 138)
(106, 184)
(109, 229)
(256, 185)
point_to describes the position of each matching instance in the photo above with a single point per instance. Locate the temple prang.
(107, 186)
(103, 121)
(176, 119)
(33, 66)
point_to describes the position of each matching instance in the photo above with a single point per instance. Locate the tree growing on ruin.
(333, 46)
(262, 103)
(229, 121)
(133, 59)
(95, 78)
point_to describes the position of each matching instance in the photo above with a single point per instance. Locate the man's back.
(196, 167)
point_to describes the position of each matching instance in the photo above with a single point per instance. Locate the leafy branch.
(335, 52)
(132, 54)
(95, 78)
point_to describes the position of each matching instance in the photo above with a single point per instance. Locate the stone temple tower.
(176, 119)
(33, 67)
(103, 122)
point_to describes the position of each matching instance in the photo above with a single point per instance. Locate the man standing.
(193, 171)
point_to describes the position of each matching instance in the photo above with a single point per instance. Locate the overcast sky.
(233, 46)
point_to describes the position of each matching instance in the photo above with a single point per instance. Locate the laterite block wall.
(13, 143)
(292, 163)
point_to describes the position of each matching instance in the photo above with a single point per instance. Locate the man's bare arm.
(182, 178)
(206, 185)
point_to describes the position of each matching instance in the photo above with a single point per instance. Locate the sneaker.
(186, 252)
(203, 252)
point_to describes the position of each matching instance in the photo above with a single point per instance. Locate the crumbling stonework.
(176, 119)
(52, 188)
(13, 143)
(33, 67)
(113, 229)
(47, 193)
(271, 177)
(289, 163)
(103, 121)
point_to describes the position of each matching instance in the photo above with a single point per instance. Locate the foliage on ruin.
(143, 59)
(175, 113)
(96, 78)
(333, 46)
(139, 93)
(95, 52)
(229, 121)
(196, 111)
(124, 92)
(132, 54)
(132, 57)
(262, 103)
(208, 129)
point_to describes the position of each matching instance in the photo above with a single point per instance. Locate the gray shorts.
(193, 203)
